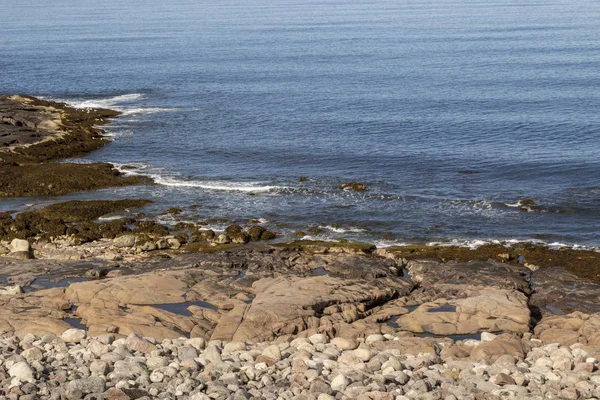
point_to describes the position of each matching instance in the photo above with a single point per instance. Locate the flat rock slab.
(558, 292)
(569, 329)
(290, 305)
(491, 310)
(38, 312)
(430, 273)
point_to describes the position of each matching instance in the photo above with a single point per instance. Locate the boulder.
(73, 335)
(505, 344)
(124, 241)
(20, 245)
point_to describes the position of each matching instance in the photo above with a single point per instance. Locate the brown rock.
(289, 305)
(503, 344)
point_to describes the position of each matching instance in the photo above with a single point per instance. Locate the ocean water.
(450, 111)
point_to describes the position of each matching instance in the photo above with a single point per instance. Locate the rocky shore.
(35, 133)
(99, 301)
(311, 321)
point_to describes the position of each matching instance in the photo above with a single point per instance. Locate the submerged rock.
(356, 186)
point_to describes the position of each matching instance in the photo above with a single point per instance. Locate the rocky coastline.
(36, 133)
(128, 308)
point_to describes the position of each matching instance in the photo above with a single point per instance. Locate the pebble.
(306, 368)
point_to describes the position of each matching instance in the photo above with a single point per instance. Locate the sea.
(451, 112)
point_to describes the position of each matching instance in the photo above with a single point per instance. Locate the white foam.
(318, 238)
(476, 243)
(121, 167)
(110, 218)
(116, 102)
(517, 204)
(342, 230)
(106, 103)
(246, 187)
(382, 244)
(148, 110)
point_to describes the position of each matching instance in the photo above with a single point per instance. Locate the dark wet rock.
(79, 211)
(316, 246)
(314, 230)
(268, 235)
(583, 263)
(256, 232)
(356, 186)
(34, 132)
(558, 292)
(431, 273)
(60, 178)
(97, 273)
(152, 228)
(203, 234)
(527, 203)
(233, 229)
(239, 238)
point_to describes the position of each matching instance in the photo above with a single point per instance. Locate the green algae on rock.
(57, 179)
(321, 246)
(73, 218)
(35, 132)
(78, 211)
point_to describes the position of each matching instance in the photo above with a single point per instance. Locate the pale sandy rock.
(124, 241)
(504, 344)
(22, 371)
(486, 309)
(273, 352)
(19, 245)
(153, 288)
(339, 383)
(288, 305)
(136, 343)
(344, 344)
(233, 347)
(73, 335)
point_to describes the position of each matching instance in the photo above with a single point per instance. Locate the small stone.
(32, 354)
(504, 379)
(156, 362)
(92, 384)
(273, 352)
(487, 336)
(339, 383)
(233, 347)
(318, 338)
(22, 371)
(344, 344)
(374, 338)
(136, 343)
(99, 367)
(363, 354)
(73, 335)
(186, 353)
(325, 396)
(124, 241)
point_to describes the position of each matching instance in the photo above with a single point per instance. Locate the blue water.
(450, 111)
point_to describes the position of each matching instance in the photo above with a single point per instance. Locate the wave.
(476, 243)
(148, 110)
(107, 102)
(245, 187)
(338, 229)
(115, 103)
